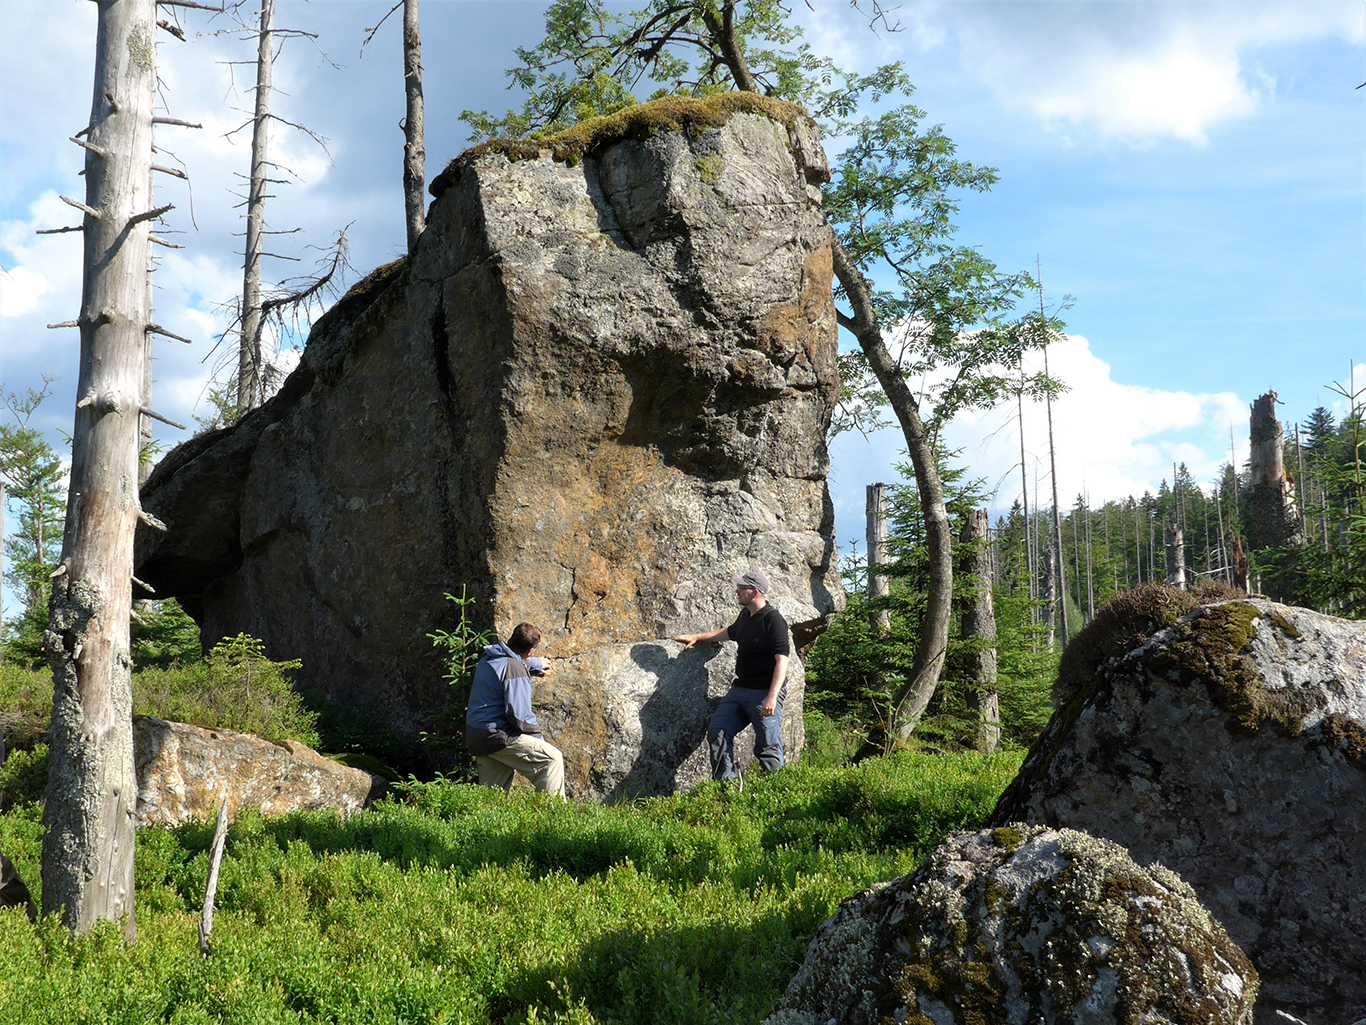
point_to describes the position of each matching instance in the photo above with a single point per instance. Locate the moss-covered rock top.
(684, 114)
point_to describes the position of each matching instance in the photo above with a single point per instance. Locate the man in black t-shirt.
(756, 697)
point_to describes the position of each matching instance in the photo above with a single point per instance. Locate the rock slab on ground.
(596, 393)
(1018, 925)
(184, 772)
(1231, 747)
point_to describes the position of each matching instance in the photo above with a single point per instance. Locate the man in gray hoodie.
(501, 730)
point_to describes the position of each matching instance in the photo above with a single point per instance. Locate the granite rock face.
(1017, 925)
(596, 393)
(632, 718)
(185, 771)
(1231, 747)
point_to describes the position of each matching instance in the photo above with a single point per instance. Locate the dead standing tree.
(979, 631)
(259, 305)
(87, 864)
(414, 146)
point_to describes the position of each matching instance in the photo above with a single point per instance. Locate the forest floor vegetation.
(453, 903)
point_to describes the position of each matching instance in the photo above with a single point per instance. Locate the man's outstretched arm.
(688, 640)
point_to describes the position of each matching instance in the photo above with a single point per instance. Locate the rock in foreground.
(1232, 748)
(1019, 925)
(185, 771)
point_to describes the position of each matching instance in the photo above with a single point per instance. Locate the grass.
(456, 904)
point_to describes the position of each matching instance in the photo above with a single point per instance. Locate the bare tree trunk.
(1061, 589)
(1024, 499)
(92, 790)
(1050, 591)
(914, 695)
(250, 369)
(1176, 557)
(979, 629)
(414, 147)
(881, 619)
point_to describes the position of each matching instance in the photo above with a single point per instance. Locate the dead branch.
(65, 323)
(162, 242)
(157, 329)
(151, 520)
(174, 121)
(146, 587)
(99, 151)
(191, 3)
(157, 416)
(150, 215)
(59, 231)
(372, 31)
(220, 836)
(175, 30)
(172, 171)
(90, 212)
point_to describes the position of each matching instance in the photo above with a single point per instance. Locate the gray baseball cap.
(753, 579)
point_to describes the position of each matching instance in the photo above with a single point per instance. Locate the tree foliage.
(32, 472)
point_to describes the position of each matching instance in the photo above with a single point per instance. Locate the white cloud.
(1112, 440)
(20, 290)
(1144, 71)
(1137, 70)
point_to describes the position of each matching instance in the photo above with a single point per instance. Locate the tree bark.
(414, 146)
(881, 619)
(1176, 557)
(914, 695)
(250, 376)
(979, 629)
(87, 865)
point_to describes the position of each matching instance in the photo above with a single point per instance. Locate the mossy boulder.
(1230, 746)
(1023, 924)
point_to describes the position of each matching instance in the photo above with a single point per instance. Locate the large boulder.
(597, 391)
(1231, 747)
(1019, 925)
(184, 772)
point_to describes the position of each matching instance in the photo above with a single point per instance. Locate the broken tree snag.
(1273, 519)
(979, 631)
(1176, 556)
(87, 864)
(881, 619)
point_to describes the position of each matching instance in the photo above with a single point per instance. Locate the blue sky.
(1192, 174)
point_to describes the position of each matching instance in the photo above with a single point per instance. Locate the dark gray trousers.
(738, 709)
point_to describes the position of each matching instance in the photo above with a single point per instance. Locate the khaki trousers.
(538, 761)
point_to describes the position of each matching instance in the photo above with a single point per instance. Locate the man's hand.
(687, 640)
(544, 670)
(767, 705)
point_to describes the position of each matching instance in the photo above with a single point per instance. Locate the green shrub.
(25, 704)
(235, 688)
(461, 905)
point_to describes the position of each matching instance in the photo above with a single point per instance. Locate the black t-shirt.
(759, 637)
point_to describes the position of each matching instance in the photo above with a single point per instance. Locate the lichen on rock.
(1229, 746)
(1019, 925)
